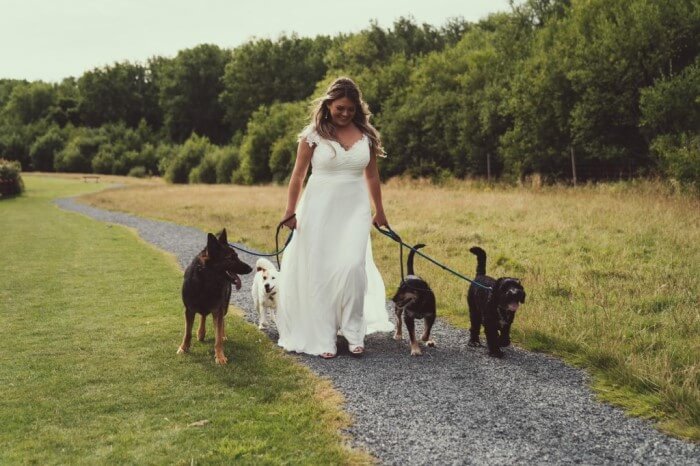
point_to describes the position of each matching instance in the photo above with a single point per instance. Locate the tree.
(189, 155)
(267, 126)
(190, 86)
(123, 92)
(30, 103)
(45, 148)
(263, 71)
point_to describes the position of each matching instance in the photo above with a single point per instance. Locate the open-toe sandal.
(357, 351)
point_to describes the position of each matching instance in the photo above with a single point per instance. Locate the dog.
(264, 290)
(494, 309)
(415, 300)
(206, 289)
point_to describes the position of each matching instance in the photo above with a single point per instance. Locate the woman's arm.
(296, 181)
(375, 191)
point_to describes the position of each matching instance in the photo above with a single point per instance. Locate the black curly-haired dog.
(494, 309)
(415, 300)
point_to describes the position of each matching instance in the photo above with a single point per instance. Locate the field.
(92, 319)
(612, 271)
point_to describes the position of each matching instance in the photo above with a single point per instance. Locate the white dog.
(264, 290)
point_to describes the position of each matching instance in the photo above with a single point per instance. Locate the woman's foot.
(327, 355)
(357, 350)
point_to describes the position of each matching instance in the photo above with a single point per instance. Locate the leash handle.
(277, 234)
(278, 251)
(395, 236)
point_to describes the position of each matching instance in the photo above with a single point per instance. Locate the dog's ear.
(213, 245)
(222, 237)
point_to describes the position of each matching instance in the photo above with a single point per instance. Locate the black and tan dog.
(494, 309)
(207, 290)
(415, 300)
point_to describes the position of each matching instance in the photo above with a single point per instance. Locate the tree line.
(567, 89)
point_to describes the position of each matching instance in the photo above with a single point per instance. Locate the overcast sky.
(53, 39)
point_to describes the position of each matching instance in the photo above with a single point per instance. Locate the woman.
(328, 282)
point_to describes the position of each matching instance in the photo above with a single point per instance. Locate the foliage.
(607, 88)
(123, 92)
(262, 72)
(44, 149)
(227, 162)
(266, 128)
(680, 157)
(190, 85)
(189, 155)
(10, 178)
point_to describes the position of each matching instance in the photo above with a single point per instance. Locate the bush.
(138, 172)
(78, 154)
(680, 157)
(10, 179)
(188, 156)
(205, 172)
(44, 150)
(226, 163)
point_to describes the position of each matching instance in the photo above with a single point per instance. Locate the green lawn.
(92, 318)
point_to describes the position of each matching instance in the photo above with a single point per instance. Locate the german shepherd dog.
(207, 289)
(415, 300)
(494, 309)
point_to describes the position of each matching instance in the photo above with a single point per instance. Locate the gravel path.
(455, 405)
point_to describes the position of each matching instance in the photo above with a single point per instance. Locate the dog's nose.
(267, 288)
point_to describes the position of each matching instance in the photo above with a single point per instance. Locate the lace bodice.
(331, 158)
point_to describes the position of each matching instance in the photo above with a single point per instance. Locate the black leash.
(278, 251)
(394, 236)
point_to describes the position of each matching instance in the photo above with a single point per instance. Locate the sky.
(52, 39)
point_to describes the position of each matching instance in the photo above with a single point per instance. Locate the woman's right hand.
(291, 223)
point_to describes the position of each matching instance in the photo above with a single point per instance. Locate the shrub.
(10, 179)
(188, 156)
(138, 172)
(44, 150)
(680, 157)
(227, 162)
(205, 172)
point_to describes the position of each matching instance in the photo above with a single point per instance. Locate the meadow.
(92, 320)
(612, 271)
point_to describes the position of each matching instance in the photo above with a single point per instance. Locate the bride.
(329, 283)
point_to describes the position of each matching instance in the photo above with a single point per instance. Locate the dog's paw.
(415, 351)
(182, 350)
(504, 343)
(221, 360)
(430, 343)
(496, 354)
(474, 343)
(398, 336)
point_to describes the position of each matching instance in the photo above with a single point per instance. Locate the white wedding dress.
(329, 283)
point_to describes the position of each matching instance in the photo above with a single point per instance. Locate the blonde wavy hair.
(321, 117)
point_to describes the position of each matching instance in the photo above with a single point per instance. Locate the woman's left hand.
(380, 220)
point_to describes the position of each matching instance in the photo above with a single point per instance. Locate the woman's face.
(342, 111)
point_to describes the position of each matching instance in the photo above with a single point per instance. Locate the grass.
(612, 271)
(92, 320)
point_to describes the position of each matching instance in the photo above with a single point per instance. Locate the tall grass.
(612, 271)
(92, 318)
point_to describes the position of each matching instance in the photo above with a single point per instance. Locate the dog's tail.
(410, 257)
(480, 260)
